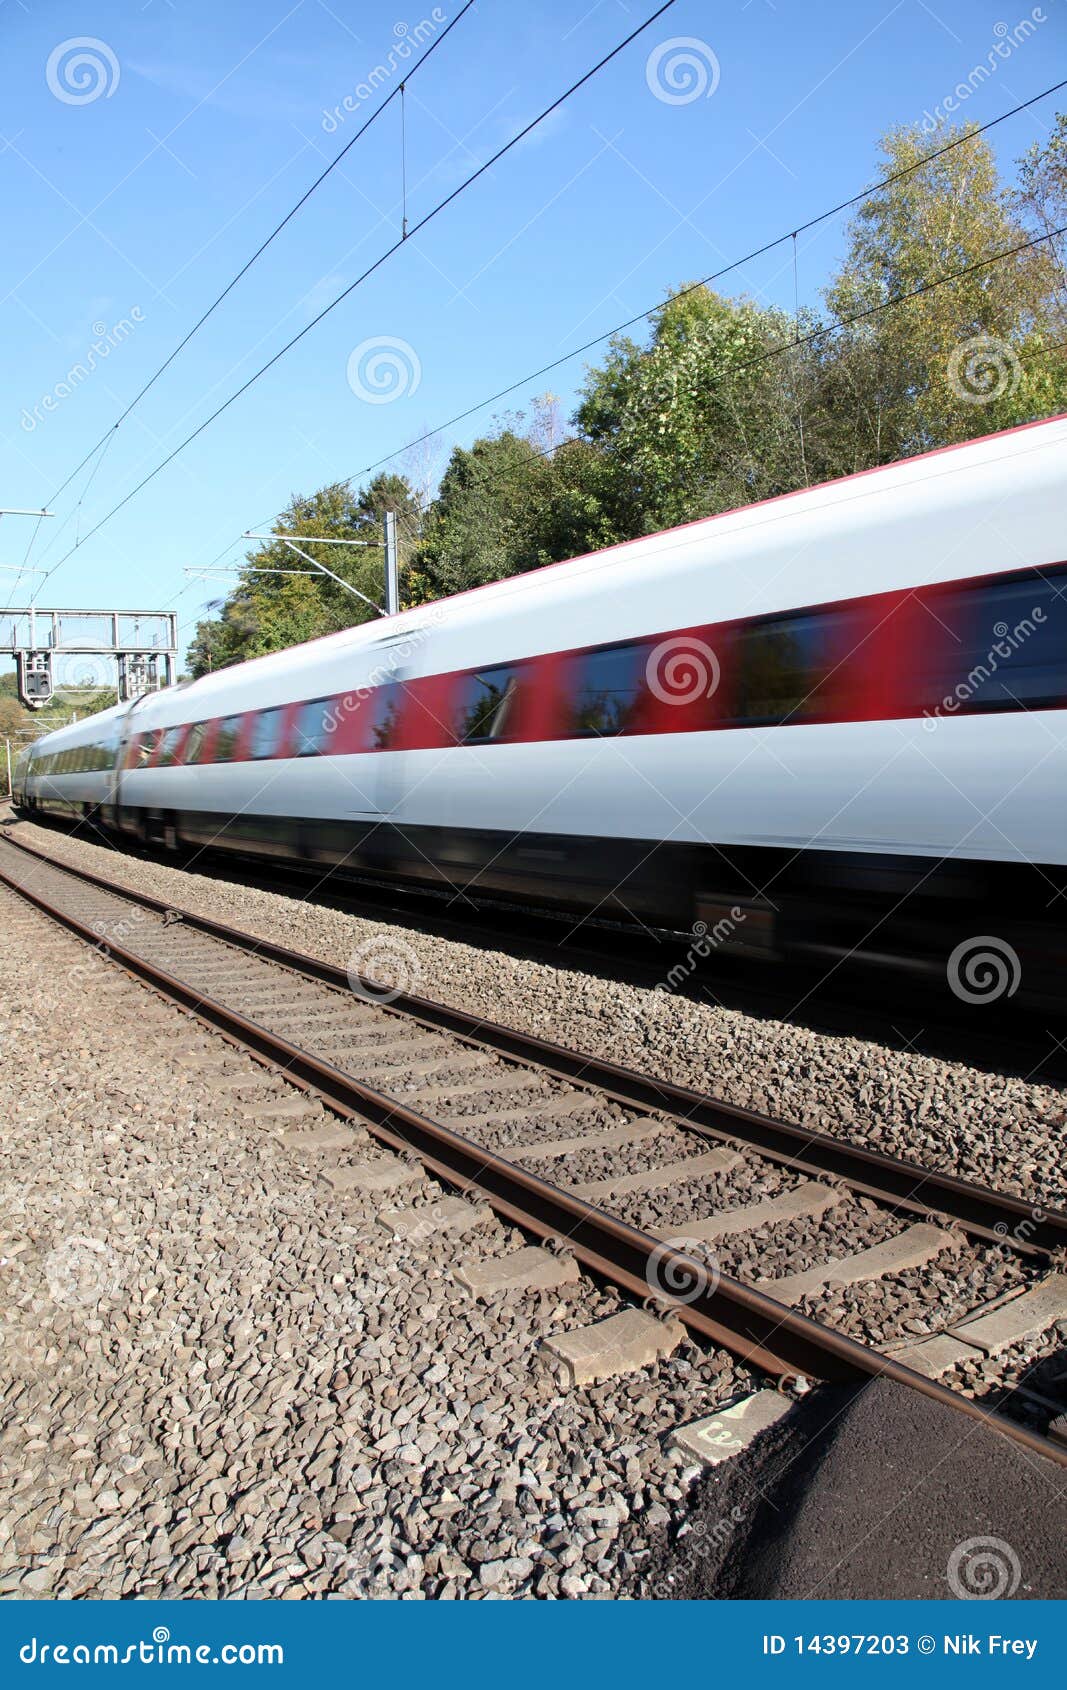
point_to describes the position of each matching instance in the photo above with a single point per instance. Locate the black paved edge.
(1029, 1229)
(754, 1327)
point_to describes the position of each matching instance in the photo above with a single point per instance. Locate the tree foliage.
(944, 321)
(960, 358)
(269, 611)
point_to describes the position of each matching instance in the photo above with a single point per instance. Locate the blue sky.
(126, 213)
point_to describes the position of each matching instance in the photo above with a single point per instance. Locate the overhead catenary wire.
(107, 438)
(706, 281)
(422, 223)
(796, 342)
(835, 327)
(396, 93)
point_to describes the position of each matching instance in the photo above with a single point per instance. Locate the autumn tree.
(947, 312)
(717, 410)
(270, 611)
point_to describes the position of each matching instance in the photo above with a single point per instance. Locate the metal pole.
(392, 587)
(341, 583)
(7, 748)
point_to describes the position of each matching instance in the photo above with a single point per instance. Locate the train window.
(1004, 646)
(780, 666)
(314, 724)
(168, 751)
(486, 704)
(194, 745)
(226, 739)
(146, 745)
(267, 728)
(608, 686)
(385, 706)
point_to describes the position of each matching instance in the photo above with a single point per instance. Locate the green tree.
(483, 524)
(718, 410)
(957, 360)
(1041, 203)
(269, 612)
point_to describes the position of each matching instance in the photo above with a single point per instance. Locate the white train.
(829, 723)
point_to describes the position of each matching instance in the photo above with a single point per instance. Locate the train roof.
(497, 596)
(884, 479)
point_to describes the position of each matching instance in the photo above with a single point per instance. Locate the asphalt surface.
(872, 1493)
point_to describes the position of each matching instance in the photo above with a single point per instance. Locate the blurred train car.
(831, 724)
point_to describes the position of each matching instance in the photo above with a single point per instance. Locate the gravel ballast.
(998, 1130)
(222, 1379)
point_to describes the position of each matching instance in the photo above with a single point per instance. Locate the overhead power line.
(758, 252)
(396, 93)
(715, 276)
(414, 229)
(825, 329)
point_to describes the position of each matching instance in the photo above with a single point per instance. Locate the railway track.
(666, 1193)
(846, 997)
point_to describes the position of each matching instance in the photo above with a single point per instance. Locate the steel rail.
(753, 1326)
(1031, 1229)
